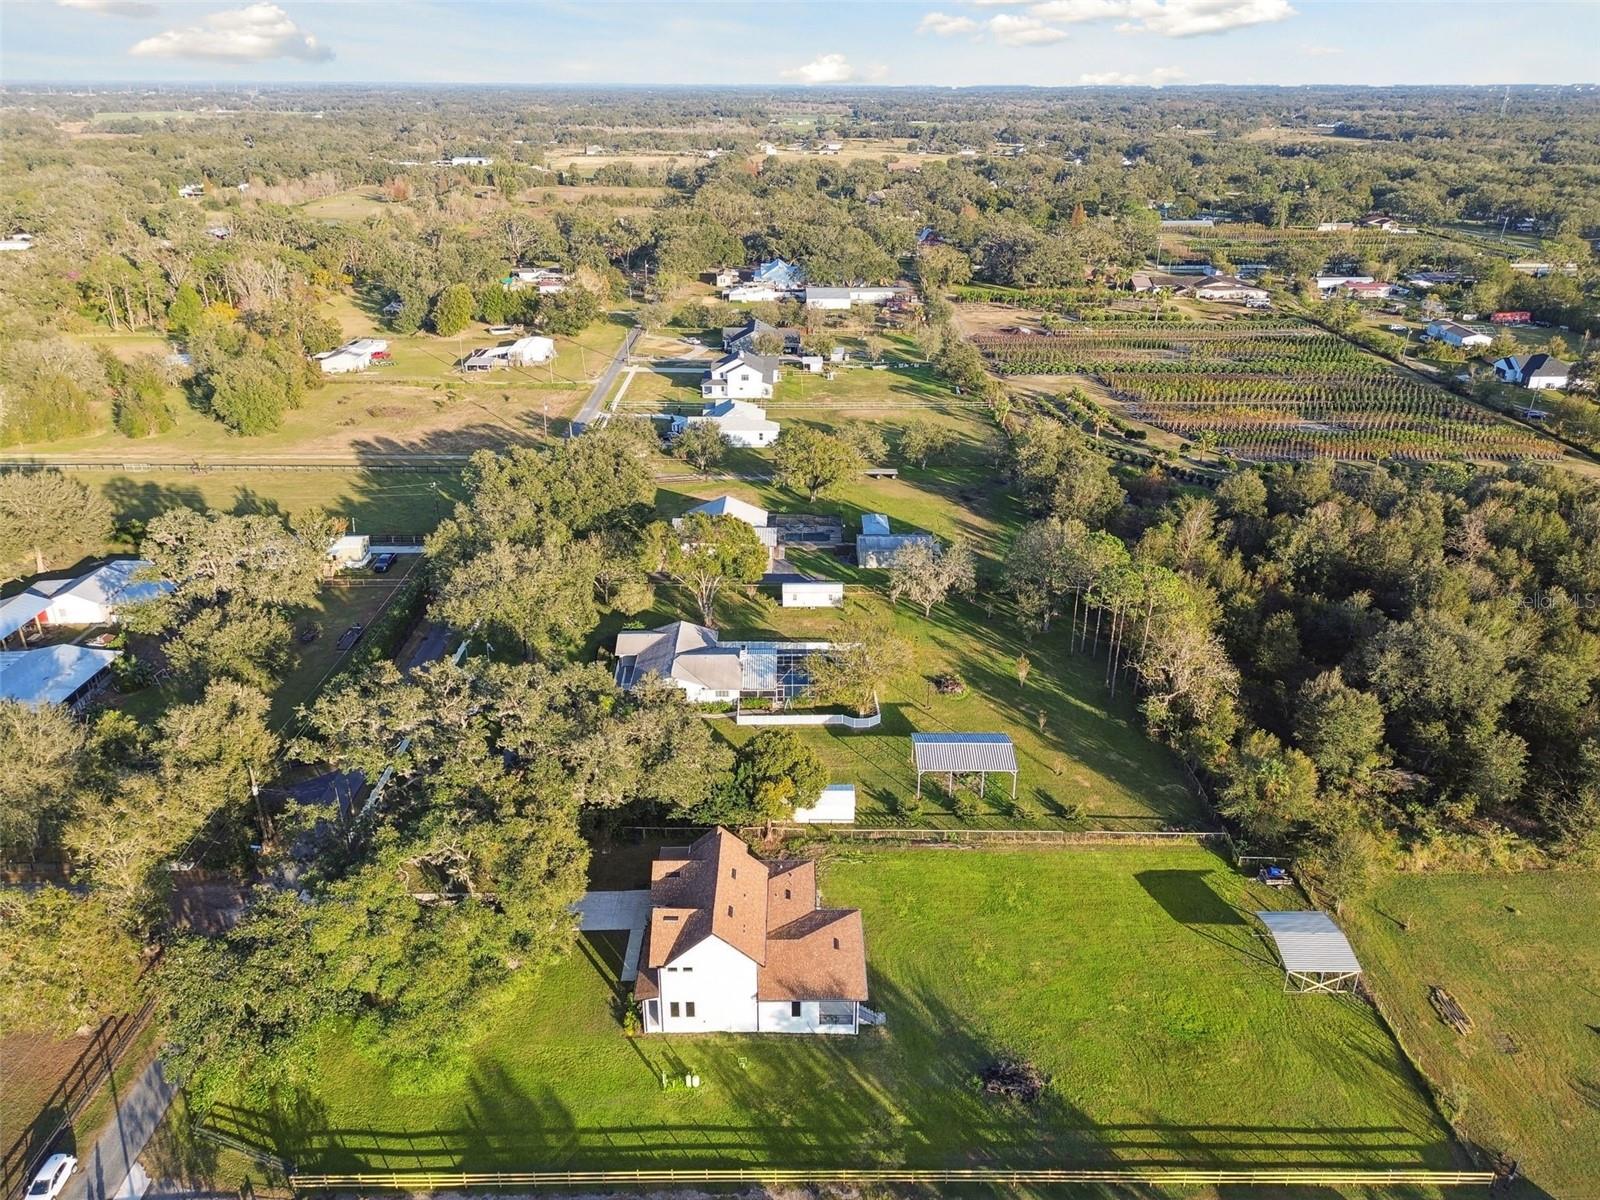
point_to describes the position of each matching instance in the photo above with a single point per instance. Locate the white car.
(52, 1177)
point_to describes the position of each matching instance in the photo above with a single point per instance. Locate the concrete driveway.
(600, 912)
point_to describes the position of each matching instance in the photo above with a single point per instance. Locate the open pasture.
(1130, 976)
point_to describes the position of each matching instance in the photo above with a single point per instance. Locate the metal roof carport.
(952, 754)
(1316, 956)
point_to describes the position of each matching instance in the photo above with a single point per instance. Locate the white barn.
(92, 598)
(1452, 333)
(840, 298)
(357, 355)
(523, 352)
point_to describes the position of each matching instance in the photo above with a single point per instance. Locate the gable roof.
(738, 414)
(1545, 366)
(50, 674)
(1226, 281)
(765, 910)
(820, 956)
(683, 651)
(766, 365)
(1309, 941)
(755, 327)
(732, 506)
(716, 889)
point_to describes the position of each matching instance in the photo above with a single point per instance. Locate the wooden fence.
(433, 1181)
(918, 835)
(80, 1085)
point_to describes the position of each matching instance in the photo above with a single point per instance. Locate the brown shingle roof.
(791, 891)
(719, 889)
(820, 956)
(765, 910)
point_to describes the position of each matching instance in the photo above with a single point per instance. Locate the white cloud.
(1009, 30)
(1190, 18)
(945, 25)
(250, 34)
(1320, 51)
(1074, 12)
(1168, 18)
(1153, 78)
(113, 8)
(834, 68)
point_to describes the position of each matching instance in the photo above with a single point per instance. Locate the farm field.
(1520, 953)
(1129, 975)
(1268, 390)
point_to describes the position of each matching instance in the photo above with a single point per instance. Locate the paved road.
(628, 910)
(590, 411)
(104, 1167)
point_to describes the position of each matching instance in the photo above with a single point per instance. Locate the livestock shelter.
(952, 754)
(1316, 956)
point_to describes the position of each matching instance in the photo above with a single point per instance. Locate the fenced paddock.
(428, 1181)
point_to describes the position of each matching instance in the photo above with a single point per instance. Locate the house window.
(686, 970)
(666, 917)
(786, 894)
(673, 1008)
(835, 943)
(733, 872)
(794, 1008)
(730, 910)
(688, 1008)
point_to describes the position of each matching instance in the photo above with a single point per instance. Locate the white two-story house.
(741, 376)
(739, 945)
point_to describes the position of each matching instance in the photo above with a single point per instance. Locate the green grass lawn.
(1128, 974)
(1521, 954)
(1091, 751)
(376, 501)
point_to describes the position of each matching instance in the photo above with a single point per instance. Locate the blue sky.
(946, 42)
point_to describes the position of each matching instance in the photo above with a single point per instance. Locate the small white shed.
(812, 593)
(836, 806)
(350, 552)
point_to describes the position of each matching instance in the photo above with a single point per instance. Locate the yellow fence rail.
(429, 1181)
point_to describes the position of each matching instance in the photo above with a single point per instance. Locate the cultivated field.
(1520, 953)
(1129, 975)
(1267, 390)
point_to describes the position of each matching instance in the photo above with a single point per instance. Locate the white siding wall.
(75, 610)
(776, 1016)
(812, 595)
(719, 981)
